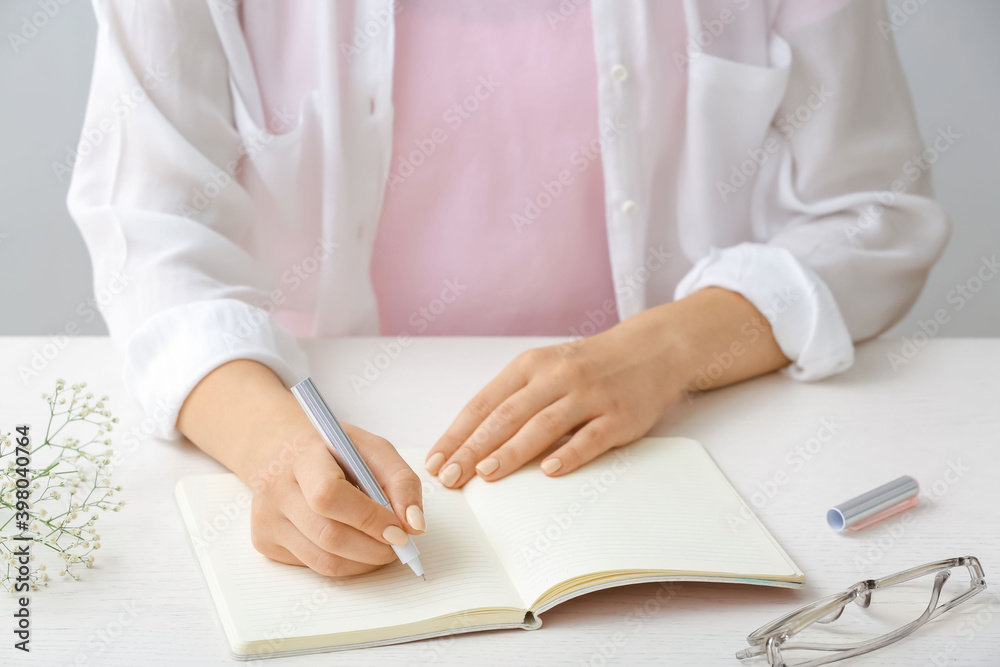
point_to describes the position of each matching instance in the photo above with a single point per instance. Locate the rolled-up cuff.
(804, 316)
(173, 350)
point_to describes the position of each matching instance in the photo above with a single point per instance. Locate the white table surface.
(939, 412)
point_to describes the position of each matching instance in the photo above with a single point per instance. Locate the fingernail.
(395, 535)
(488, 466)
(451, 474)
(434, 463)
(551, 465)
(415, 518)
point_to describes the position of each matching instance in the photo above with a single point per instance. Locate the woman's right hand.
(304, 511)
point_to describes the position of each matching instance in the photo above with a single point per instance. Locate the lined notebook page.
(659, 504)
(260, 599)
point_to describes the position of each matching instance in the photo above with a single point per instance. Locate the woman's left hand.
(609, 388)
(606, 390)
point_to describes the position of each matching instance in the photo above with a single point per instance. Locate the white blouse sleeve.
(182, 296)
(845, 227)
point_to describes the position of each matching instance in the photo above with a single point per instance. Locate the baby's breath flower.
(63, 485)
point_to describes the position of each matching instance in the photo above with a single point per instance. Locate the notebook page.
(659, 504)
(260, 599)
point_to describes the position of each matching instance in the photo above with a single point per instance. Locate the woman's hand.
(606, 390)
(304, 511)
(609, 388)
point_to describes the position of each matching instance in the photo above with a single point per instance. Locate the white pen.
(350, 460)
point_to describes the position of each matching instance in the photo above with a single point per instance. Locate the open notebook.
(496, 555)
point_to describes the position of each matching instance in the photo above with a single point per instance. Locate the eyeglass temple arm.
(829, 609)
(814, 611)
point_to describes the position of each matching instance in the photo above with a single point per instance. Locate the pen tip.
(423, 577)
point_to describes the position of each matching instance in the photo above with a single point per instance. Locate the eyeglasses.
(947, 582)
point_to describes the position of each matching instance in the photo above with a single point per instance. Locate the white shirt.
(799, 182)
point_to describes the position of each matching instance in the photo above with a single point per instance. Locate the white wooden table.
(937, 418)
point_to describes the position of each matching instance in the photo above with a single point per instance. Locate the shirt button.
(629, 207)
(619, 73)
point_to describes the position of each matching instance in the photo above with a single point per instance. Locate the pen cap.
(874, 506)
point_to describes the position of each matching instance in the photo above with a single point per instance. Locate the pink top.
(493, 220)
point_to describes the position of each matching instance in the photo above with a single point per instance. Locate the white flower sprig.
(70, 482)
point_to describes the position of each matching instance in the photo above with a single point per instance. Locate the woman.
(705, 191)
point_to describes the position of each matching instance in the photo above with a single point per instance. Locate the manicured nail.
(415, 518)
(451, 474)
(395, 535)
(434, 463)
(551, 465)
(487, 466)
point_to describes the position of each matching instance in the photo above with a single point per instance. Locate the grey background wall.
(950, 51)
